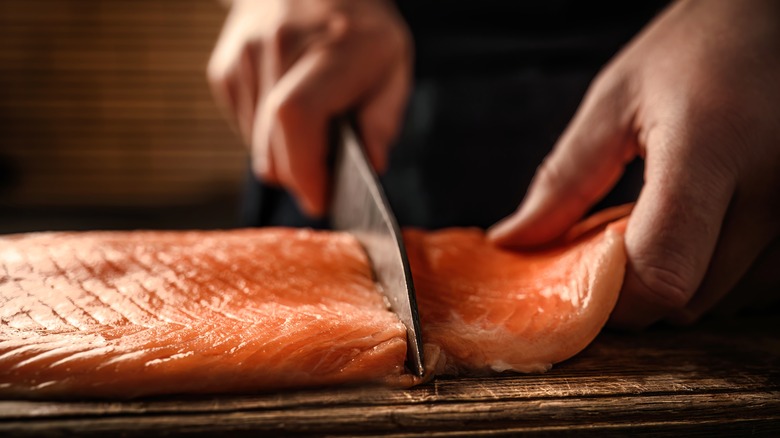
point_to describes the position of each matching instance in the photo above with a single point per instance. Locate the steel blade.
(359, 206)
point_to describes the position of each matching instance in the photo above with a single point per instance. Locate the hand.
(283, 68)
(697, 95)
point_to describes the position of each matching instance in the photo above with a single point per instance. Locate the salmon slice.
(485, 309)
(126, 314)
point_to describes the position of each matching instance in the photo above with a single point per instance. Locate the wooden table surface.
(719, 377)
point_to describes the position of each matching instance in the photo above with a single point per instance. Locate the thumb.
(585, 163)
(675, 225)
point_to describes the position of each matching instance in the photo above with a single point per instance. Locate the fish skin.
(128, 314)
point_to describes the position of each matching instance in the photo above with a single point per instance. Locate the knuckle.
(611, 89)
(722, 140)
(341, 26)
(666, 285)
(549, 172)
(553, 174)
(227, 60)
(604, 81)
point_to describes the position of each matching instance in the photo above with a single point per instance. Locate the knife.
(359, 206)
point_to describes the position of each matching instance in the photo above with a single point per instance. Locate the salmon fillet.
(128, 314)
(485, 309)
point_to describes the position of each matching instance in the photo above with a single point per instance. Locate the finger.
(246, 93)
(741, 242)
(673, 229)
(221, 90)
(380, 117)
(296, 132)
(324, 82)
(264, 138)
(279, 54)
(222, 69)
(736, 252)
(585, 163)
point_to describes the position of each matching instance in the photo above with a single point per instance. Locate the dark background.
(106, 119)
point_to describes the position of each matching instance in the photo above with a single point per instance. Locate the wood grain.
(718, 378)
(106, 103)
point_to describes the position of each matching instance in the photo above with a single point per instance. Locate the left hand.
(697, 95)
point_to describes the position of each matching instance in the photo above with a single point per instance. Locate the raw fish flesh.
(125, 314)
(485, 309)
(128, 314)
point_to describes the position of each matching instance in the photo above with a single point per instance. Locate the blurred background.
(106, 118)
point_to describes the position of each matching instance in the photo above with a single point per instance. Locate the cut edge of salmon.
(570, 338)
(498, 349)
(606, 285)
(607, 281)
(160, 355)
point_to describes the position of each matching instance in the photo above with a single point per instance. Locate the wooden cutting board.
(721, 377)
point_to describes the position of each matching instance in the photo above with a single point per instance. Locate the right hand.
(282, 69)
(696, 96)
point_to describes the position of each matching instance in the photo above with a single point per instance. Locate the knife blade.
(359, 206)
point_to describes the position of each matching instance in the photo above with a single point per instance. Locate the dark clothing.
(496, 83)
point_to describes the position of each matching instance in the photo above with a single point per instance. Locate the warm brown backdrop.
(105, 103)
